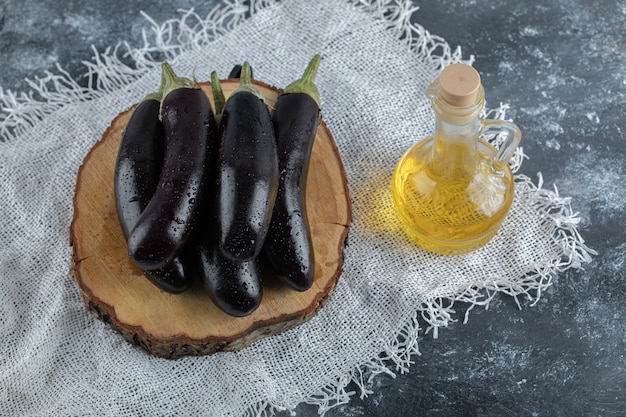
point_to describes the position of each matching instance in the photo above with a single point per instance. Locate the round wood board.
(175, 325)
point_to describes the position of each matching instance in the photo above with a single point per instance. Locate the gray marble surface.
(561, 65)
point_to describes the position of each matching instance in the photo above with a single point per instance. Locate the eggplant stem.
(245, 82)
(157, 95)
(172, 81)
(218, 96)
(306, 84)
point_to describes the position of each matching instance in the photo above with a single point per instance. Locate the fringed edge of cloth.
(123, 63)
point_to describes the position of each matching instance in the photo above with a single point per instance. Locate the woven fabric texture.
(58, 359)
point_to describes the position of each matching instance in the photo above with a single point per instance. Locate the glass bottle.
(453, 189)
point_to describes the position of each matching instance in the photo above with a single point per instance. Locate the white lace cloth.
(58, 359)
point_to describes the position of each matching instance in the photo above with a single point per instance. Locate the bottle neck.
(454, 153)
(455, 149)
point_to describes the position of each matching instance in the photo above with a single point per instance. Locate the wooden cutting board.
(175, 325)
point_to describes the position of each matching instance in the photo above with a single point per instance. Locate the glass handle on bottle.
(510, 142)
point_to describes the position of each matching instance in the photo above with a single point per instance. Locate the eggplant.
(137, 171)
(138, 163)
(247, 172)
(288, 247)
(168, 221)
(235, 287)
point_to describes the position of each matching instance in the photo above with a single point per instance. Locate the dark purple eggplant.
(288, 246)
(234, 286)
(138, 164)
(168, 221)
(247, 172)
(137, 171)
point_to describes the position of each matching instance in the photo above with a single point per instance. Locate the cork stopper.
(459, 84)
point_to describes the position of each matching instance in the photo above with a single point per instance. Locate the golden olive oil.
(452, 190)
(453, 212)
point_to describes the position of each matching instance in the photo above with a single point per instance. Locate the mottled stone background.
(561, 66)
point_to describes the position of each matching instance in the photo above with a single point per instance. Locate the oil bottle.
(453, 189)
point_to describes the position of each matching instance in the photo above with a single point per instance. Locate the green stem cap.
(218, 96)
(306, 84)
(172, 81)
(245, 81)
(157, 95)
